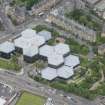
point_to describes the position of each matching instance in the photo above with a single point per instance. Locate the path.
(96, 84)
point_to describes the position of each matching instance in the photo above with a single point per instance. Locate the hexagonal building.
(30, 54)
(72, 61)
(28, 33)
(49, 73)
(28, 44)
(6, 49)
(39, 40)
(29, 36)
(65, 72)
(45, 34)
(55, 60)
(20, 43)
(45, 51)
(62, 49)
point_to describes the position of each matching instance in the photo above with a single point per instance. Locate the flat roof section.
(49, 73)
(28, 33)
(46, 50)
(46, 34)
(72, 61)
(7, 47)
(55, 59)
(65, 72)
(31, 51)
(62, 49)
(21, 42)
(39, 40)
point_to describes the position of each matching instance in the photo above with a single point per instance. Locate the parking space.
(6, 94)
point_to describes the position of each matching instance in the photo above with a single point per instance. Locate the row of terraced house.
(73, 27)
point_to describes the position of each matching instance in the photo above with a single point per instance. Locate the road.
(6, 21)
(25, 83)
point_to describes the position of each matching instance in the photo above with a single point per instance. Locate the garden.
(11, 64)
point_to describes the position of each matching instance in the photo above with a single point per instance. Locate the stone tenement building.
(46, 6)
(101, 49)
(91, 3)
(73, 27)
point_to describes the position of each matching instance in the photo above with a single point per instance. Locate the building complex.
(34, 46)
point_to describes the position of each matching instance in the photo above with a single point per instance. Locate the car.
(68, 97)
(41, 14)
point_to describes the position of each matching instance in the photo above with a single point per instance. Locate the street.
(25, 83)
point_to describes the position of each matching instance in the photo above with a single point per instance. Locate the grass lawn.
(11, 64)
(30, 99)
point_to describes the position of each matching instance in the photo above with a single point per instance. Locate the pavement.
(25, 83)
(7, 24)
